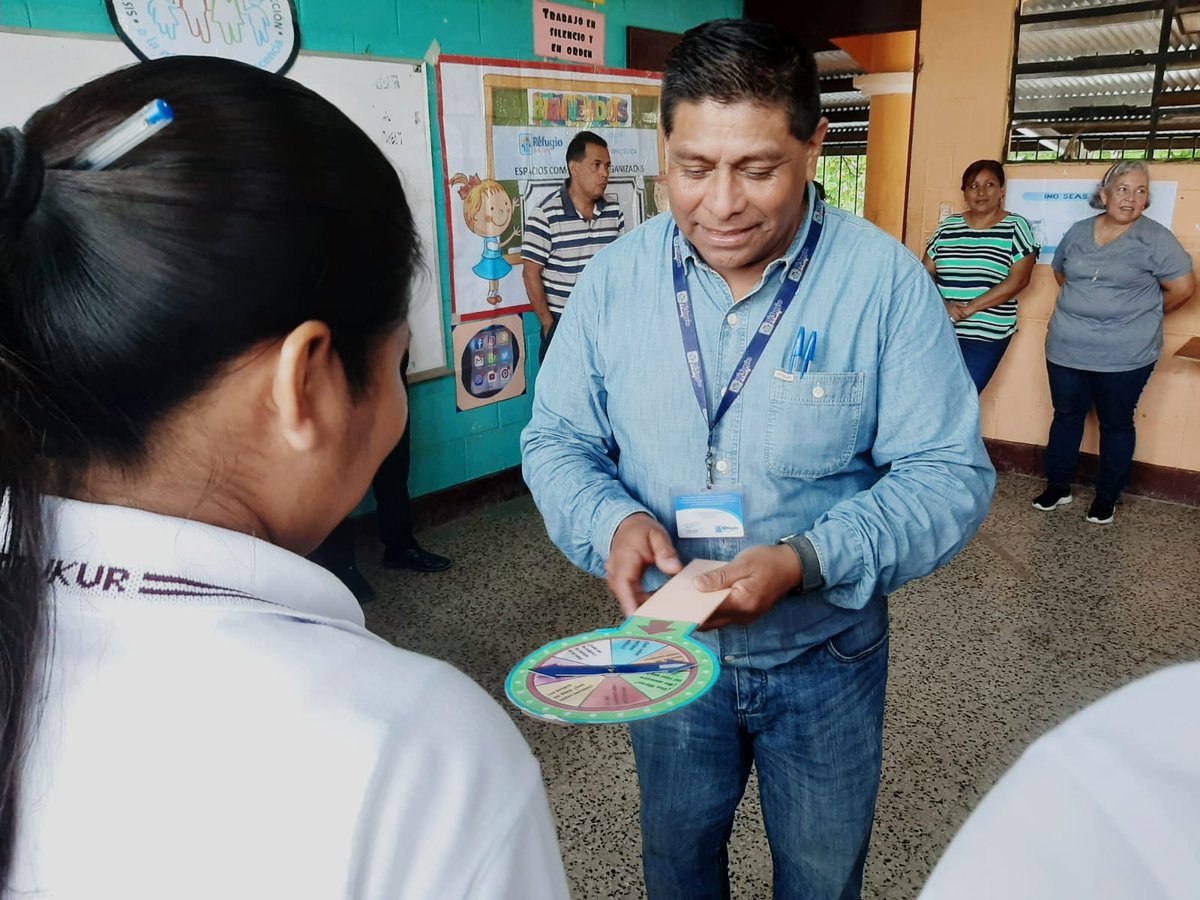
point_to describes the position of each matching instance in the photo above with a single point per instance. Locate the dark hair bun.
(22, 174)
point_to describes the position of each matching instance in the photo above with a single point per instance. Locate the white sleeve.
(1106, 805)
(457, 810)
(524, 862)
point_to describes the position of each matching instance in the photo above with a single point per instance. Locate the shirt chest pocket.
(813, 423)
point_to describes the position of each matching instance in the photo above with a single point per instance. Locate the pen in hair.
(143, 124)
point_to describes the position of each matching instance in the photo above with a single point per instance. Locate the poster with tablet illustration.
(489, 361)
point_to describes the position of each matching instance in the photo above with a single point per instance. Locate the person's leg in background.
(336, 554)
(818, 748)
(1071, 393)
(394, 515)
(982, 357)
(548, 336)
(1117, 395)
(393, 507)
(692, 769)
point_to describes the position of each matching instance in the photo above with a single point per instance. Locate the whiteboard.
(387, 98)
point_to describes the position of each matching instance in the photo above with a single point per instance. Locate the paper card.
(679, 601)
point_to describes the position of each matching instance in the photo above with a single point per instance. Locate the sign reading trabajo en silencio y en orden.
(568, 32)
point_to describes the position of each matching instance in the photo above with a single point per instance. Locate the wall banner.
(1052, 205)
(505, 130)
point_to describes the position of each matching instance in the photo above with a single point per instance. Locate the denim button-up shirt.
(874, 454)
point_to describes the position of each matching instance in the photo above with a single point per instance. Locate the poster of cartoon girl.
(488, 211)
(662, 200)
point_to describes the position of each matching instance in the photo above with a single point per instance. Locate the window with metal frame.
(842, 168)
(1106, 79)
(843, 176)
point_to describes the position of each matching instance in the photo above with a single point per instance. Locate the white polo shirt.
(1107, 805)
(219, 723)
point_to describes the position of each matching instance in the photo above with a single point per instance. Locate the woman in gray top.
(1119, 273)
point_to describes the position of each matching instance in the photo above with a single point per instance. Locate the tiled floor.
(1042, 614)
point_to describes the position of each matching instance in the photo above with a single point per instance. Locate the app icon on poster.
(490, 361)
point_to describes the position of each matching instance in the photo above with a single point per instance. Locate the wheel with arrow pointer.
(645, 668)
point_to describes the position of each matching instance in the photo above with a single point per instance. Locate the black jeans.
(1115, 396)
(546, 338)
(393, 506)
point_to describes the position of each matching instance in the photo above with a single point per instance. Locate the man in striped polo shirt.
(564, 231)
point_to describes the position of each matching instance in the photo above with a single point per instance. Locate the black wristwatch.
(809, 561)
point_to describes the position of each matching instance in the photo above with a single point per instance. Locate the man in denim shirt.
(856, 459)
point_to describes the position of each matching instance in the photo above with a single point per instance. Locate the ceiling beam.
(817, 23)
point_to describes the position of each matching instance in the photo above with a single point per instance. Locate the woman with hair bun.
(200, 345)
(1119, 273)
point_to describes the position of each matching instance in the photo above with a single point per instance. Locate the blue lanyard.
(741, 372)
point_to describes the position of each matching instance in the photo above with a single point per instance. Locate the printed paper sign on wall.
(505, 131)
(567, 32)
(263, 33)
(1052, 205)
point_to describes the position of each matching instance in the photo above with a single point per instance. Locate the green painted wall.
(449, 447)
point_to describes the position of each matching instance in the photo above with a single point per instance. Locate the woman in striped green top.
(981, 259)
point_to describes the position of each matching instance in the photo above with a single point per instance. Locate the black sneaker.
(1054, 495)
(356, 581)
(1101, 512)
(415, 559)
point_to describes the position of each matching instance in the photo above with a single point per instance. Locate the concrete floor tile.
(1042, 614)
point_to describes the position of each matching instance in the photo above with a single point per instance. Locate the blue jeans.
(1115, 396)
(982, 358)
(814, 729)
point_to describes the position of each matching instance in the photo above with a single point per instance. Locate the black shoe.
(414, 559)
(1054, 495)
(356, 582)
(1101, 512)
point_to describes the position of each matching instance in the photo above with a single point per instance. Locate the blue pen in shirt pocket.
(800, 357)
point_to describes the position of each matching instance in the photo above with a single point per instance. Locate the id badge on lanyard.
(709, 512)
(712, 512)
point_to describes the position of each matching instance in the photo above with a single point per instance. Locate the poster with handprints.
(263, 33)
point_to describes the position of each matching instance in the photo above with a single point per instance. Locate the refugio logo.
(529, 144)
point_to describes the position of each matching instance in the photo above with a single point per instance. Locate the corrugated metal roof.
(1071, 96)
(836, 62)
(834, 69)
(1036, 92)
(1036, 7)
(1132, 34)
(844, 100)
